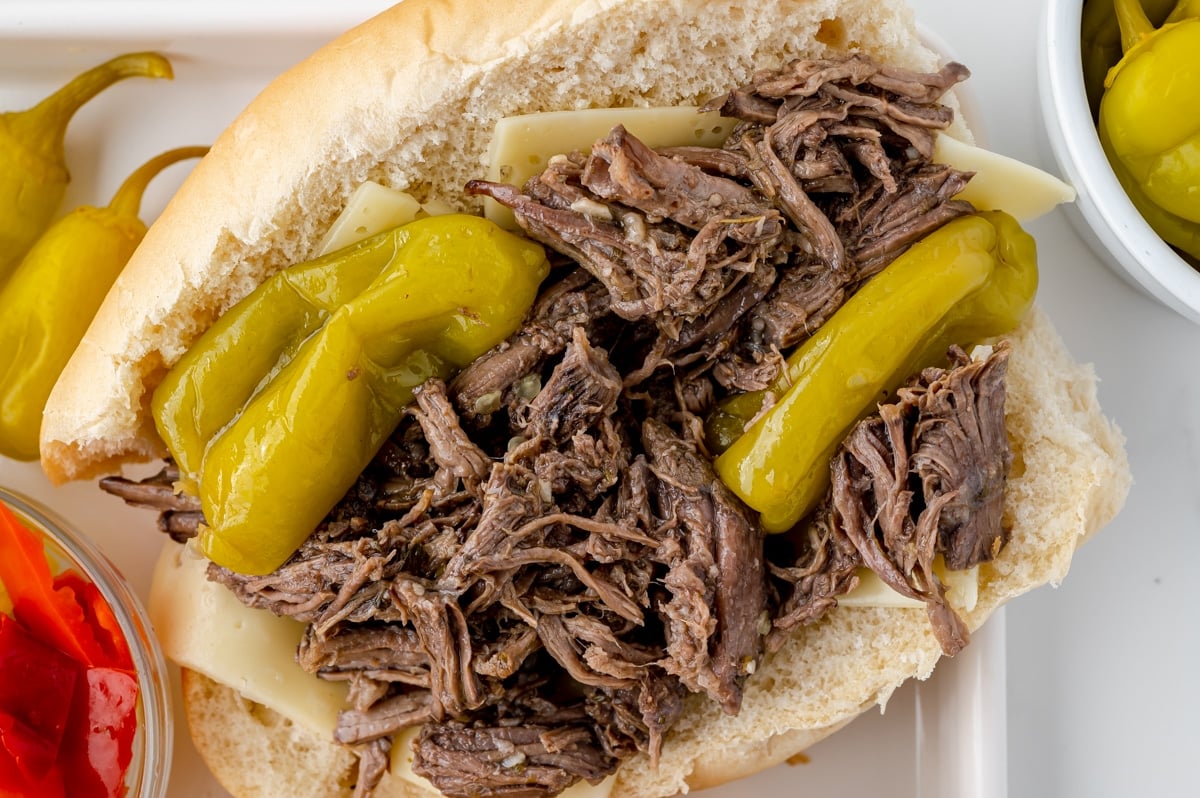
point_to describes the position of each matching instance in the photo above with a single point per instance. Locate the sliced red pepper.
(32, 755)
(55, 616)
(37, 684)
(98, 615)
(98, 746)
(13, 783)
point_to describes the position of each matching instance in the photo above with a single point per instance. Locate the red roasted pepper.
(98, 745)
(68, 690)
(37, 683)
(55, 612)
(14, 785)
(111, 648)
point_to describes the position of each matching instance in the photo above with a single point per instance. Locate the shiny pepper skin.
(47, 305)
(68, 688)
(1150, 120)
(972, 279)
(33, 171)
(1100, 41)
(278, 408)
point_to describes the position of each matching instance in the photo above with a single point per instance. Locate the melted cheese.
(962, 590)
(202, 626)
(522, 146)
(373, 208)
(1003, 183)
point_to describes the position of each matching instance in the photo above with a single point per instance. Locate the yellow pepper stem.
(33, 169)
(1135, 25)
(43, 127)
(1185, 9)
(128, 199)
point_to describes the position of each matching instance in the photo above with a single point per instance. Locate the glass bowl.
(1102, 214)
(67, 549)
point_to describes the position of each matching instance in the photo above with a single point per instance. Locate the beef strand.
(946, 434)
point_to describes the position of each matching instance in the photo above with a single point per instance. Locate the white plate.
(946, 738)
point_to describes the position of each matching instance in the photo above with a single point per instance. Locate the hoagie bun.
(410, 99)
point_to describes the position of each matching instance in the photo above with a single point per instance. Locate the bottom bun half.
(1069, 477)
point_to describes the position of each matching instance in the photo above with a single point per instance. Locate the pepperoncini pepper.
(274, 445)
(1149, 124)
(971, 279)
(284, 311)
(33, 171)
(46, 307)
(1100, 41)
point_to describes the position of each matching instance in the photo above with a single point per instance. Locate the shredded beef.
(820, 564)
(825, 180)
(541, 565)
(526, 745)
(712, 626)
(179, 513)
(925, 478)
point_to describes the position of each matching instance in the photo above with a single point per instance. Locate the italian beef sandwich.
(557, 396)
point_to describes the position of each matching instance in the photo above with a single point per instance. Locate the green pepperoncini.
(46, 307)
(33, 171)
(278, 407)
(971, 279)
(1149, 121)
(1100, 41)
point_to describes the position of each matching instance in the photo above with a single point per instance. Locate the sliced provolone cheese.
(373, 208)
(584, 790)
(401, 766)
(401, 763)
(1003, 183)
(203, 627)
(523, 145)
(962, 590)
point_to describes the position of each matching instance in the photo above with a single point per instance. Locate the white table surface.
(1101, 701)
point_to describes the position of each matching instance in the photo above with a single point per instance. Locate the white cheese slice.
(523, 145)
(585, 790)
(962, 590)
(1003, 183)
(373, 208)
(401, 762)
(203, 627)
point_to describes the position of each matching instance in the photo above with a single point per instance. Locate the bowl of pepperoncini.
(1120, 89)
(84, 701)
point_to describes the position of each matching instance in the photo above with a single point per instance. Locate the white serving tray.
(946, 737)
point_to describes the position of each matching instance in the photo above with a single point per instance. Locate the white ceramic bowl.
(1103, 213)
